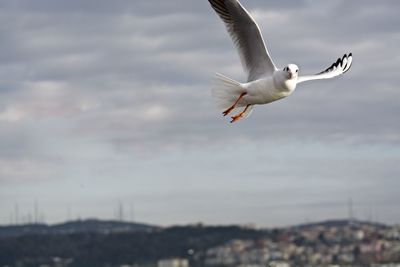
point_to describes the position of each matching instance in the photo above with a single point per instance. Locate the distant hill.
(95, 243)
(117, 249)
(339, 223)
(79, 226)
(110, 227)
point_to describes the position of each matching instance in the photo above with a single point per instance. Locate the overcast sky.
(104, 102)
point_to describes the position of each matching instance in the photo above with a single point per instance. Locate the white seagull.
(265, 82)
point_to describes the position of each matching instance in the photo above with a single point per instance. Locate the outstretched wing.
(246, 36)
(341, 66)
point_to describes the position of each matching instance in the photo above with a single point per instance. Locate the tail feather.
(226, 91)
(226, 79)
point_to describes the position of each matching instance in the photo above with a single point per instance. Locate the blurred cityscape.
(348, 244)
(124, 244)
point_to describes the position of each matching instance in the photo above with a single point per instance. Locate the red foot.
(236, 118)
(229, 110)
(240, 115)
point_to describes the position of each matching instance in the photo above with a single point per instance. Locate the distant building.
(173, 263)
(278, 264)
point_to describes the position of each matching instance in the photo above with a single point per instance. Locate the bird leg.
(229, 110)
(240, 115)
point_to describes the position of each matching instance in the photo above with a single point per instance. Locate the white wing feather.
(341, 66)
(247, 37)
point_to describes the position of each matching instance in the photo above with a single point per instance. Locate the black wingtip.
(347, 55)
(346, 68)
(339, 62)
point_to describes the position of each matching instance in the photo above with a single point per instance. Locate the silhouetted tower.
(132, 212)
(350, 210)
(120, 213)
(68, 213)
(16, 209)
(36, 212)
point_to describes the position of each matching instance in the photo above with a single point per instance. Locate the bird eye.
(297, 70)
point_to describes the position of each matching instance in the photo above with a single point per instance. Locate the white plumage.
(265, 82)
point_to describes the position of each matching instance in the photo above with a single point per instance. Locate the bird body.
(265, 82)
(269, 89)
(258, 92)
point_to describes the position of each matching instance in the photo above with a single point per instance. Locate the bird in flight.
(265, 82)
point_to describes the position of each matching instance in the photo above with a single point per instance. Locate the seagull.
(265, 82)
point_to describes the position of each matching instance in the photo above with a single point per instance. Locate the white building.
(278, 264)
(173, 263)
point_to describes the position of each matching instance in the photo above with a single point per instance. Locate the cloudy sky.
(106, 102)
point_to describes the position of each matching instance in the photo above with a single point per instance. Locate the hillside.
(73, 227)
(95, 243)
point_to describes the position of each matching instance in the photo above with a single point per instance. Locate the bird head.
(291, 71)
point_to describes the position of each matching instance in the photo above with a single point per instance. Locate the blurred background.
(109, 137)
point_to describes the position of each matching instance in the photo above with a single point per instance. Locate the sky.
(108, 103)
